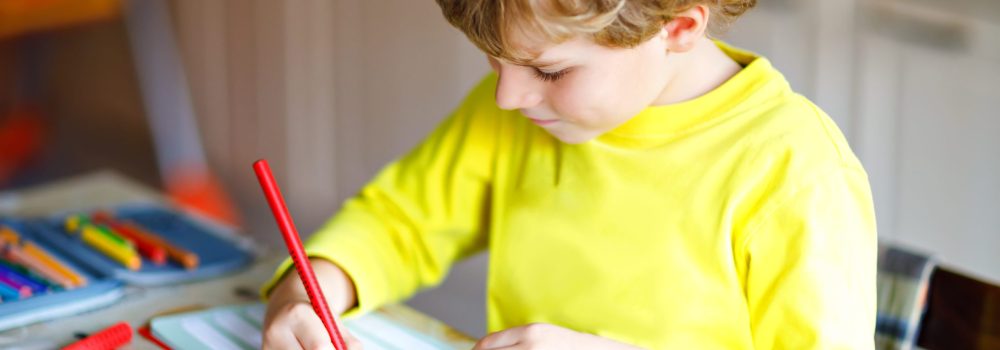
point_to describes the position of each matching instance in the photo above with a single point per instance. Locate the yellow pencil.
(73, 222)
(123, 254)
(76, 223)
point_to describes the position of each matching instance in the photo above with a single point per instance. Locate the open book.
(238, 327)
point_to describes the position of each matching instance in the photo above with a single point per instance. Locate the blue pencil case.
(218, 253)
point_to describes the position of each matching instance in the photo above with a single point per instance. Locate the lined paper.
(207, 335)
(238, 327)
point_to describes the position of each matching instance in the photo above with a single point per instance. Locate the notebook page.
(238, 327)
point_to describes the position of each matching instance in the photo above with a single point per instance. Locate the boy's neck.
(698, 71)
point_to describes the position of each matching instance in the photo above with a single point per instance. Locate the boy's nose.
(516, 90)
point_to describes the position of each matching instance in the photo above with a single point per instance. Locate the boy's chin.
(573, 137)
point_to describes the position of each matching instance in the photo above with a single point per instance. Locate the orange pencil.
(8, 236)
(43, 256)
(186, 258)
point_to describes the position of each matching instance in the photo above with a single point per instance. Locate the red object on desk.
(291, 235)
(147, 333)
(112, 337)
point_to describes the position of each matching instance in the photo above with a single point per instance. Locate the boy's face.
(578, 90)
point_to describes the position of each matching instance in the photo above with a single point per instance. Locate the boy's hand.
(291, 323)
(296, 326)
(543, 336)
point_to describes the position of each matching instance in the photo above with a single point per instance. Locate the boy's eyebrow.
(537, 63)
(543, 63)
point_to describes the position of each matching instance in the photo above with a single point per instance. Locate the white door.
(929, 130)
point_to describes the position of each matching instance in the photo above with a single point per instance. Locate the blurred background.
(182, 95)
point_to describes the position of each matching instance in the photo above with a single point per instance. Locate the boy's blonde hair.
(489, 24)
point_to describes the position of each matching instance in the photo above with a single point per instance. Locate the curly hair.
(490, 24)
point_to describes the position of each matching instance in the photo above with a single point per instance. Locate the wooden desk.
(140, 303)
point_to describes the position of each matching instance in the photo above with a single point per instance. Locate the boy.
(637, 185)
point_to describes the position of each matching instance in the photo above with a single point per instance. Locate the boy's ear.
(686, 28)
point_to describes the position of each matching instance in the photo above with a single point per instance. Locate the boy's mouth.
(543, 122)
(540, 121)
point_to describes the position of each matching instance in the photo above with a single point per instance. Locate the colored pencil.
(22, 289)
(12, 275)
(148, 248)
(291, 236)
(8, 236)
(8, 293)
(24, 271)
(18, 255)
(186, 258)
(77, 223)
(37, 258)
(122, 254)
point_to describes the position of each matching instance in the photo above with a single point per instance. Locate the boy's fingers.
(321, 340)
(352, 342)
(296, 326)
(279, 341)
(499, 339)
(279, 336)
(309, 330)
(277, 332)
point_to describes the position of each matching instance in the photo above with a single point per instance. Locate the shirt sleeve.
(811, 266)
(421, 213)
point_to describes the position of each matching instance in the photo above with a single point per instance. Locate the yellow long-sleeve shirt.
(739, 219)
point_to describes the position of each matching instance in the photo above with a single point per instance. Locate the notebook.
(238, 328)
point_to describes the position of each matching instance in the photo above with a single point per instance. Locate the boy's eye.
(550, 77)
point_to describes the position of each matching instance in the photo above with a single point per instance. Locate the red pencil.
(291, 235)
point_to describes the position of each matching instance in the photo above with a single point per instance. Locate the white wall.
(328, 91)
(927, 100)
(912, 83)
